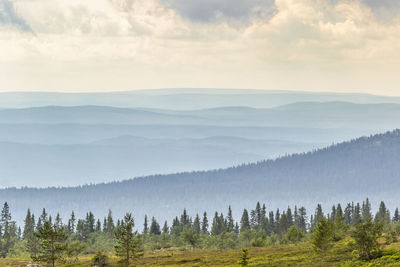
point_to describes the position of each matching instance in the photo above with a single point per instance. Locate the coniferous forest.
(51, 240)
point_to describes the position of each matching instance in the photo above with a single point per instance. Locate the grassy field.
(286, 255)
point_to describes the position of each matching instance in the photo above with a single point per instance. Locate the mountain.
(125, 157)
(182, 99)
(305, 115)
(353, 170)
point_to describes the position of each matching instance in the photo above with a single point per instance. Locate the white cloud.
(319, 43)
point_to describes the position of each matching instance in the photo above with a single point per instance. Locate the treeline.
(49, 239)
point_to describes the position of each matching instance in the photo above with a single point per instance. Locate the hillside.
(353, 170)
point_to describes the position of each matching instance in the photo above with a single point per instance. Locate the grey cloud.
(383, 9)
(208, 11)
(8, 16)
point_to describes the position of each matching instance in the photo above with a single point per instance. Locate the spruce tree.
(396, 216)
(289, 217)
(9, 231)
(98, 226)
(244, 221)
(110, 224)
(204, 224)
(29, 227)
(51, 244)
(154, 227)
(165, 229)
(366, 210)
(196, 224)
(128, 246)
(303, 219)
(322, 237)
(145, 225)
(71, 223)
(230, 222)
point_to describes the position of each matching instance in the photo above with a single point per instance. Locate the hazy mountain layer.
(182, 98)
(347, 171)
(302, 115)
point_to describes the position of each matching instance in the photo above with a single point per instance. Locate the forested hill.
(367, 166)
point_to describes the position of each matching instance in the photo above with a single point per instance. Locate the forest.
(51, 241)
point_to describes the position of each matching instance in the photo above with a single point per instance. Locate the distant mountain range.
(303, 115)
(183, 99)
(59, 146)
(364, 167)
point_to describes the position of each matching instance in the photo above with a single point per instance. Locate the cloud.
(210, 11)
(209, 43)
(9, 17)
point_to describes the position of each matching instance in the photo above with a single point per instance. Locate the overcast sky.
(113, 45)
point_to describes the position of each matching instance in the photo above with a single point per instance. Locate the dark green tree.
(128, 244)
(155, 227)
(196, 224)
(322, 235)
(204, 224)
(366, 235)
(244, 221)
(51, 244)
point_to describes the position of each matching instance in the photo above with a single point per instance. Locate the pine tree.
(196, 224)
(382, 214)
(348, 214)
(272, 225)
(357, 214)
(366, 210)
(303, 219)
(8, 230)
(258, 215)
(145, 225)
(98, 226)
(184, 219)
(110, 224)
(127, 246)
(90, 222)
(58, 221)
(165, 229)
(204, 224)
(396, 216)
(318, 215)
(154, 227)
(43, 216)
(29, 227)
(323, 235)
(231, 224)
(71, 223)
(52, 244)
(289, 217)
(244, 222)
(366, 236)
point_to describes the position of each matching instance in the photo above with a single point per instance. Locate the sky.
(114, 45)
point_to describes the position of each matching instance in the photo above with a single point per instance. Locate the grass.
(285, 255)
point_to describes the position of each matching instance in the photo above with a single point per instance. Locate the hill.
(200, 98)
(304, 114)
(353, 170)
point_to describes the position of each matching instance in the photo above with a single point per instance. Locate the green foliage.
(190, 237)
(366, 235)
(294, 235)
(73, 250)
(244, 259)
(128, 245)
(322, 237)
(51, 244)
(100, 259)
